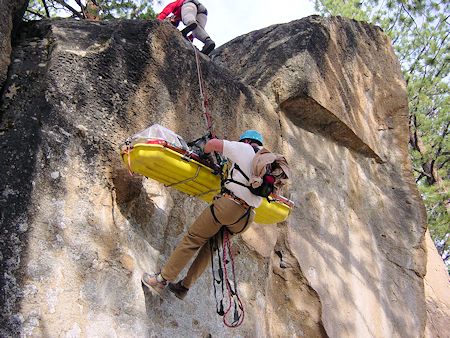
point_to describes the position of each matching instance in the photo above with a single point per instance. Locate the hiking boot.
(154, 281)
(208, 46)
(178, 289)
(189, 28)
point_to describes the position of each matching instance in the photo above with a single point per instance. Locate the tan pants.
(205, 227)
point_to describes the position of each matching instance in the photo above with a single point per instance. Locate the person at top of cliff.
(194, 16)
(232, 208)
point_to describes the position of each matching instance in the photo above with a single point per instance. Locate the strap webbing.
(247, 213)
(214, 246)
(234, 181)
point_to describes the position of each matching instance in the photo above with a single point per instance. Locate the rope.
(185, 180)
(214, 246)
(233, 297)
(204, 98)
(224, 279)
(128, 153)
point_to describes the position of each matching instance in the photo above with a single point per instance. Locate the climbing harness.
(264, 190)
(246, 214)
(229, 287)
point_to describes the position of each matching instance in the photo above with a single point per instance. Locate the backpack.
(270, 173)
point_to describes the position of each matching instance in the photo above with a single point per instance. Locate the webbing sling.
(214, 246)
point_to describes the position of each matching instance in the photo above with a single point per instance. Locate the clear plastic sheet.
(158, 132)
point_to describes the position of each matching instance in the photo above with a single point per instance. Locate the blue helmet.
(252, 135)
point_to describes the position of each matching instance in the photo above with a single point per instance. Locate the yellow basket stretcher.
(178, 168)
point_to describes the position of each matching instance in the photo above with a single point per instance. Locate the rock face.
(11, 12)
(359, 223)
(77, 231)
(437, 293)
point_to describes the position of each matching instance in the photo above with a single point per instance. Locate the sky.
(228, 19)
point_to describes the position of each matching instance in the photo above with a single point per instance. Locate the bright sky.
(228, 19)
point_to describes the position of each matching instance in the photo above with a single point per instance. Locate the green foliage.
(420, 33)
(106, 9)
(136, 9)
(35, 10)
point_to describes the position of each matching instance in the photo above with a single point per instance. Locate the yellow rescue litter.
(181, 169)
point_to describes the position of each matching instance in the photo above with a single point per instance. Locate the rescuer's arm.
(214, 145)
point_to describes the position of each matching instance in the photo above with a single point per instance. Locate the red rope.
(206, 113)
(227, 245)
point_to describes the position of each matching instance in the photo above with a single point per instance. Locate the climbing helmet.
(252, 135)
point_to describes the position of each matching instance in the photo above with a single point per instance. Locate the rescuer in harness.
(232, 209)
(194, 16)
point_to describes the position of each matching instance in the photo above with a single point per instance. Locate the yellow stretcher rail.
(174, 169)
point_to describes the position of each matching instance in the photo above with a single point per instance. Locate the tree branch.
(82, 7)
(426, 46)
(47, 12)
(443, 135)
(70, 8)
(395, 21)
(422, 174)
(407, 12)
(437, 53)
(35, 13)
(445, 162)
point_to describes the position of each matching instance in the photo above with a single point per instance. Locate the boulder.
(78, 231)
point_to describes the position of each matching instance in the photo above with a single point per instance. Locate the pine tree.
(91, 9)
